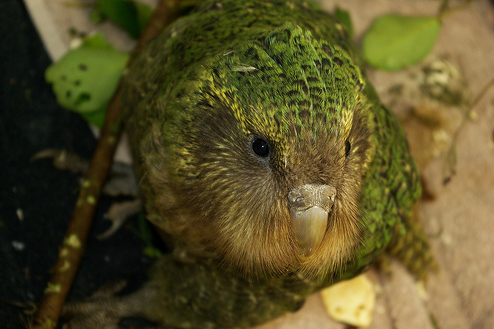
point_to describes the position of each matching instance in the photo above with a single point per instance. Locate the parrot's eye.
(348, 148)
(260, 147)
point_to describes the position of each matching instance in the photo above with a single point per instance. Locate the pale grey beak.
(310, 206)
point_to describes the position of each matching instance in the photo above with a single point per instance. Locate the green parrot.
(267, 163)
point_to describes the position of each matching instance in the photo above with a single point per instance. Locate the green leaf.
(96, 118)
(344, 17)
(130, 15)
(85, 79)
(122, 13)
(393, 41)
(144, 13)
(152, 252)
(96, 40)
(96, 16)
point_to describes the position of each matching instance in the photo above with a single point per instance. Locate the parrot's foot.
(121, 182)
(104, 310)
(351, 301)
(63, 160)
(118, 214)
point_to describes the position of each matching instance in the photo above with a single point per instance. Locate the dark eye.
(260, 147)
(348, 148)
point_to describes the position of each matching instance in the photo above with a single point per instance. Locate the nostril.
(308, 195)
(295, 196)
(330, 192)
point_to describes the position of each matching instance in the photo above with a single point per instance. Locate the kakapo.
(267, 162)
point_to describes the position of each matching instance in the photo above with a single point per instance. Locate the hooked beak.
(310, 206)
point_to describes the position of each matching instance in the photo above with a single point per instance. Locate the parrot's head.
(266, 155)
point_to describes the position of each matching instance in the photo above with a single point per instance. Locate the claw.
(104, 311)
(118, 215)
(121, 181)
(109, 289)
(63, 160)
(28, 308)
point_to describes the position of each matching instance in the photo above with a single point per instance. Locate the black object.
(36, 200)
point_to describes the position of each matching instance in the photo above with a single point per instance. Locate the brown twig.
(75, 238)
(449, 166)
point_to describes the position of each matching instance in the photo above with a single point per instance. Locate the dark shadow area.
(36, 200)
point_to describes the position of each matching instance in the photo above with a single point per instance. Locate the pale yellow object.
(351, 301)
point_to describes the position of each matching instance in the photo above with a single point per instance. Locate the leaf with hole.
(85, 79)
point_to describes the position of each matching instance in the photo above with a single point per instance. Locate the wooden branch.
(75, 238)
